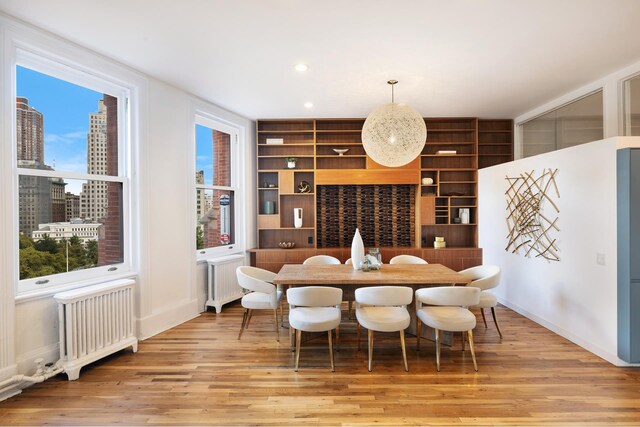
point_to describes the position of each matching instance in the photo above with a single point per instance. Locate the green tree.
(47, 244)
(24, 241)
(199, 238)
(92, 252)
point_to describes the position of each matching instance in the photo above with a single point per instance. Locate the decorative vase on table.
(357, 250)
(297, 217)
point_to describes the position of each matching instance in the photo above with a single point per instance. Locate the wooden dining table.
(344, 276)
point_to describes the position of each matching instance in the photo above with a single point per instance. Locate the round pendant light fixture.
(394, 134)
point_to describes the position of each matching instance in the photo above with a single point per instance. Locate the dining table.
(348, 279)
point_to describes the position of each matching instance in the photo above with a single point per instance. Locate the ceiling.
(486, 58)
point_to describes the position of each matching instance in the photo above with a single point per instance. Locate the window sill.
(49, 292)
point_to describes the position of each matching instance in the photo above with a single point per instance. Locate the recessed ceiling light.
(301, 67)
(308, 105)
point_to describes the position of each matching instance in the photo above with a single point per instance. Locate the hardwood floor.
(199, 373)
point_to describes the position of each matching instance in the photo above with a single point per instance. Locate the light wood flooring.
(199, 374)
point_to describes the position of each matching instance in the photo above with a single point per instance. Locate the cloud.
(66, 138)
(73, 164)
(203, 158)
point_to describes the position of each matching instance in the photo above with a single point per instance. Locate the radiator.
(95, 321)
(222, 281)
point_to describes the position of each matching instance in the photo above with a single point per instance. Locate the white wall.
(170, 283)
(574, 297)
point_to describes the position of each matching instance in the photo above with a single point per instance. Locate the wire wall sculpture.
(533, 215)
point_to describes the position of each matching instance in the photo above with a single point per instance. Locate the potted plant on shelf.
(291, 162)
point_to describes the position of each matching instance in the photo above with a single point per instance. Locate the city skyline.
(66, 108)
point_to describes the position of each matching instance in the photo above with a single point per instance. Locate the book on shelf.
(446, 152)
(275, 141)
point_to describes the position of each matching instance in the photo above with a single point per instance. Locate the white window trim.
(36, 50)
(200, 114)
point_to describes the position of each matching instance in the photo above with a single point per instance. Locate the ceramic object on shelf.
(286, 245)
(340, 151)
(297, 217)
(269, 207)
(464, 215)
(357, 250)
(304, 187)
(427, 181)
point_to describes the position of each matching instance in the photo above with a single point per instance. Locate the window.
(632, 106)
(216, 186)
(575, 123)
(72, 185)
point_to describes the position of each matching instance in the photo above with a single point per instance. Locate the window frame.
(73, 73)
(204, 118)
(626, 103)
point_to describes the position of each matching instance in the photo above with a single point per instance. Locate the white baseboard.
(12, 389)
(598, 351)
(49, 353)
(167, 319)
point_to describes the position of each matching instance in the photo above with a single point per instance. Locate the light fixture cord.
(392, 94)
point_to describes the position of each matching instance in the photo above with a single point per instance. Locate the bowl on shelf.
(340, 151)
(286, 245)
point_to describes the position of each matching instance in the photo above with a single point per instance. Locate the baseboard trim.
(590, 347)
(49, 353)
(167, 319)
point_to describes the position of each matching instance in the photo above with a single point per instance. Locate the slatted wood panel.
(199, 374)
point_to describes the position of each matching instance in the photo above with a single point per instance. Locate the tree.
(92, 252)
(199, 238)
(46, 244)
(24, 241)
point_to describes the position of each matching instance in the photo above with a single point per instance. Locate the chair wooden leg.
(248, 319)
(404, 351)
(281, 314)
(473, 352)
(298, 335)
(244, 321)
(338, 338)
(484, 319)
(358, 336)
(495, 319)
(292, 338)
(437, 332)
(330, 334)
(275, 319)
(463, 334)
(370, 346)
(418, 332)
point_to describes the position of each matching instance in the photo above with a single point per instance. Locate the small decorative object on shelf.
(269, 207)
(273, 186)
(297, 217)
(447, 152)
(275, 141)
(427, 181)
(291, 162)
(340, 151)
(357, 250)
(304, 187)
(464, 215)
(439, 243)
(286, 245)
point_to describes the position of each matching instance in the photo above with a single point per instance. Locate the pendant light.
(394, 134)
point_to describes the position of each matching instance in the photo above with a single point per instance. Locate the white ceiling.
(487, 58)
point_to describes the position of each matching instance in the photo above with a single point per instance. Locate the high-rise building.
(30, 131)
(34, 192)
(201, 198)
(93, 198)
(58, 200)
(72, 206)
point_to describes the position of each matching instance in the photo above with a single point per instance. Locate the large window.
(632, 107)
(216, 186)
(72, 187)
(576, 123)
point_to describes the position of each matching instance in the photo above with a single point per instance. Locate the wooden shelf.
(336, 156)
(292, 144)
(285, 132)
(338, 131)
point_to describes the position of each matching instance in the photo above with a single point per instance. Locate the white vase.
(297, 217)
(357, 250)
(291, 165)
(464, 215)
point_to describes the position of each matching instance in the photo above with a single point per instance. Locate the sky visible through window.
(204, 152)
(65, 108)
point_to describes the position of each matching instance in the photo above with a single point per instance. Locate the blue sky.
(66, 108)
(204, 152)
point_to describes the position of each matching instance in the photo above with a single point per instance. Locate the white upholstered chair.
(321, 260)
(348, 262)
(263, 296)
(446, 309)
(383, 309)
(485, 277)
(314, 309)
(407, 259)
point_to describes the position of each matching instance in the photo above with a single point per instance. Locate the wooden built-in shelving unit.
(476, 142)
